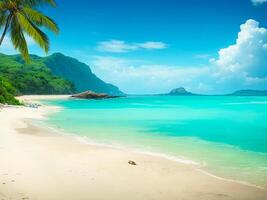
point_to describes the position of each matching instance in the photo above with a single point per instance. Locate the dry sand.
(36, 163)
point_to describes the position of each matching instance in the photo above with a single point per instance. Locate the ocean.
(225, 136)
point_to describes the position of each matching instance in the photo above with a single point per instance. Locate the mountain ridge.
(70, 68)
(57, 65)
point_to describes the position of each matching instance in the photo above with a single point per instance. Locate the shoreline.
(195, 165)
(98, 158)
(192, 163)
(88, 141)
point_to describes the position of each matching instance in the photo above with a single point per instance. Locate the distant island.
(249, 93)
(183, 92)
(179, 92)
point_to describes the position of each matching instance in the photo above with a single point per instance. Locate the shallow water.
(226, 136)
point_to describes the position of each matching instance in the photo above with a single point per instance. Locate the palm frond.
(34, 3)
(2, 5)
(33, 31)
(3, 18)
(40, 19)
(18, 39)
(20, 17)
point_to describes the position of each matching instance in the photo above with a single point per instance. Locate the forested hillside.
(33, 78)
(79, 73)
(55, 74)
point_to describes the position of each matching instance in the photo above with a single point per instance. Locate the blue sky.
(151, 46)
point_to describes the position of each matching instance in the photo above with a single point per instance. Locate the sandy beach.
(37, 163)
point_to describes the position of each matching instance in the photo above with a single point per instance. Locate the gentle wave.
(246, 103)
(86, 140)
(230, 180)
(190, 109)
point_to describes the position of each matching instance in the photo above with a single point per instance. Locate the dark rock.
(92, 95)
(131, 162)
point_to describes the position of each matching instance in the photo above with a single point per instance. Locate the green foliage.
(52, 75)
(32, 78)
(20, 17)
(7, 92)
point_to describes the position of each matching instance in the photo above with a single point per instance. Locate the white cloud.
(242, 65)
(152, 45)
(115, 46)
(133, 77)
(257, 2)
(247, 56)
(119, 46)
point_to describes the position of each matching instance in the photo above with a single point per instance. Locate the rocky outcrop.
(179, 92)
(92, 95)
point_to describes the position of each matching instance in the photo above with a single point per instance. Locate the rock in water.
(92, 95)
(131, 162)
(179, 92)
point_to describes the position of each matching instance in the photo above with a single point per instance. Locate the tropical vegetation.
(32, 78)
(7, 92)
(20, 17)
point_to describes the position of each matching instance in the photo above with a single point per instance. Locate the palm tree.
(22, 16)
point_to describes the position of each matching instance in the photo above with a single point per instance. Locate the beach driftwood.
(132, 162)
(92, 95)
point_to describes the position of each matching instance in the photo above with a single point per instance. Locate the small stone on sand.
(131, 162)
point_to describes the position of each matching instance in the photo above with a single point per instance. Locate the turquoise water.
(226, 136)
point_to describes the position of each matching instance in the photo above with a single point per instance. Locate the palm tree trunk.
(5, 29)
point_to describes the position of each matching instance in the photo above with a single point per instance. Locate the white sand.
(36, 163)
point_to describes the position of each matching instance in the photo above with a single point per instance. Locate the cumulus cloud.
(242, 65)
(257, 2)
(119, 46)
(247, 57)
